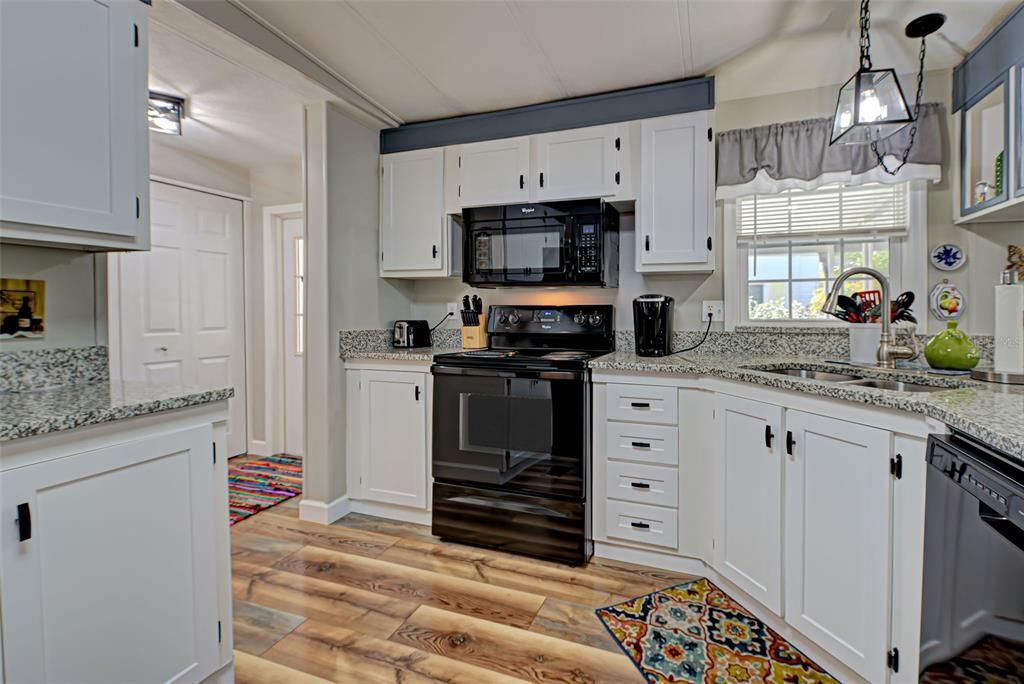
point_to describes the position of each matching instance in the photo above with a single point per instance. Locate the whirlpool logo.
(527, 210)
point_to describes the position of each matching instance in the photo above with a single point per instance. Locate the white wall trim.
(201, 188)
(273, 341)
(731, 296)
(325, 513)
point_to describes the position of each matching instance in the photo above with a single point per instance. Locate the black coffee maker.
(652, 323)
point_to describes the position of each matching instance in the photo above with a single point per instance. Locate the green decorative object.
(951, 349)
(999, 173)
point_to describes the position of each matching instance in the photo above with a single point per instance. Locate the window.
(300, 297)
(791, 246)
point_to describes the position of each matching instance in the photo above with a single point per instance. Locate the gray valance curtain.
(796, 155)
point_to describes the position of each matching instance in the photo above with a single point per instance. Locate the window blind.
(835, 211)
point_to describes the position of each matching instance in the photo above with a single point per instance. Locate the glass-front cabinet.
(1018, 83)
(984, 134)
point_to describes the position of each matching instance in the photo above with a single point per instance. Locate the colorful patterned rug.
(696, 633)
(259, 484)
(990, 661)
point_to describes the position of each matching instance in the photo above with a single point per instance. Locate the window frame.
(907, 265)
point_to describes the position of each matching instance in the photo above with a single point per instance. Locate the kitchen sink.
(895, 385)
(809, 374)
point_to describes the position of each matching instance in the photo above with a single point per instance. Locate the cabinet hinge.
(460, 161)
(460, 191)
(896, 466)
(618, 177)
(709, 135)
(618, 143)
(214, 453)
(892, 659)
(138, 208)
(136, 26)
(219, 632)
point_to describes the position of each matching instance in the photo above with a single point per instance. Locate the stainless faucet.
(888, 351)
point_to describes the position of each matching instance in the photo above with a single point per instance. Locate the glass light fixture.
(166, 113)
(871, 105)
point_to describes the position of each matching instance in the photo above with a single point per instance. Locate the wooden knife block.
(474, 336)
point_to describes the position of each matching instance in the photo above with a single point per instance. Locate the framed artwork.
(22, 308)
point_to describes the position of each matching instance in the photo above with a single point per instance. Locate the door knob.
(162, 348)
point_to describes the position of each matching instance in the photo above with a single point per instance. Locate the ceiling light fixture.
(166, 113)
(871, 105)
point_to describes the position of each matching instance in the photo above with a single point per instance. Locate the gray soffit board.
(674, 97)
(1000, 50)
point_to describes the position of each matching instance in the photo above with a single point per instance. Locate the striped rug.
(259, 484)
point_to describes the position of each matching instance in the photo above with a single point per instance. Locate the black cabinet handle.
(24, 522)
(522, 181)
(417, 392)
(647, 243)
(639, 485)
(542, 179)
(789, 442)
(768, 436)
(640, 525)
(618, 143)
(434, 251)
(640, 404)
(641, 445)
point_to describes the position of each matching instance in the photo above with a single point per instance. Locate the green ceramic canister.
(951, 349)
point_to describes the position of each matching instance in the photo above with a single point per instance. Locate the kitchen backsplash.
(30, 369)
(828, 343)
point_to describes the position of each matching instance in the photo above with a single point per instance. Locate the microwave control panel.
(588, 249)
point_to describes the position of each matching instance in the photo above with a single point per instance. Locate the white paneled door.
(181, 305)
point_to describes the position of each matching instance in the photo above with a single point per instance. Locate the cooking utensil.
(852, 309)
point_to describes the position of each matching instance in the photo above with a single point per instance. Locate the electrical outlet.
(453, 309)
(715, 307)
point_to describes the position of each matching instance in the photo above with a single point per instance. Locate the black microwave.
(557, 243)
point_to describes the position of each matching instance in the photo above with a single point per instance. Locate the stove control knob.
(513, 318)
(580, 318)
(503, 319)
(596, 319)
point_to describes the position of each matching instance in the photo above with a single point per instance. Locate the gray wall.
(76, 290)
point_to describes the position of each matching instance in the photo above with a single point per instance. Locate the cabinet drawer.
(643, 403)
(639, 523)
(649, 484)
(638, 442)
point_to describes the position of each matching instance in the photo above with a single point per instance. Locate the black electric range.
(511, 440)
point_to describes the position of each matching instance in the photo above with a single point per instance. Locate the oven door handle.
(495, 373)
(515, 506)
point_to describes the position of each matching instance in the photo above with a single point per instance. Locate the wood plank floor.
(373, 600)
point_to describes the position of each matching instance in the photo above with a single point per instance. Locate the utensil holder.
(864, 339)
(474, 336)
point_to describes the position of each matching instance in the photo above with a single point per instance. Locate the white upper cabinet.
(73, 124)
(412, 213)
(748, 541)
(494, 172)
(838, 538)
(576, 164)
(675, 211)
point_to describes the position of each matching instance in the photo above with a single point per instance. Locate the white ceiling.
(426, 59)
(234, 113)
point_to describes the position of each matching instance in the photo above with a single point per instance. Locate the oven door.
(534, 252)
(516, 431)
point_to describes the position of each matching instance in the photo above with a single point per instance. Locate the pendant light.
(871, 105)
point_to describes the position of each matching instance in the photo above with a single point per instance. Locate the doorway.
(177, 311)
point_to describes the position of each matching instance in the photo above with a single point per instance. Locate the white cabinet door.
(394, 428)
(412, 217)
(748, 540)
(182, 304)
(73, 120)
(838, 539)
(494, 172)
(675, 214)
(116, 580)
(576, 164)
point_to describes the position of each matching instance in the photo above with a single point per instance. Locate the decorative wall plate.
(948, 257)
(947, 301)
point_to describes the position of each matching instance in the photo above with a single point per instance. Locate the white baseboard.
(225, 675)
(655, 559)
(258, 447)
(416, 516)
(324, 513)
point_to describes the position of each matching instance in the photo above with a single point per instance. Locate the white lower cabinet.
(838, 538)
(392, 428)
(748, 540)
(113, 574)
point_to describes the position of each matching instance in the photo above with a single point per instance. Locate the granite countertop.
(414, 354)
(989, 412)
(38, 412)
